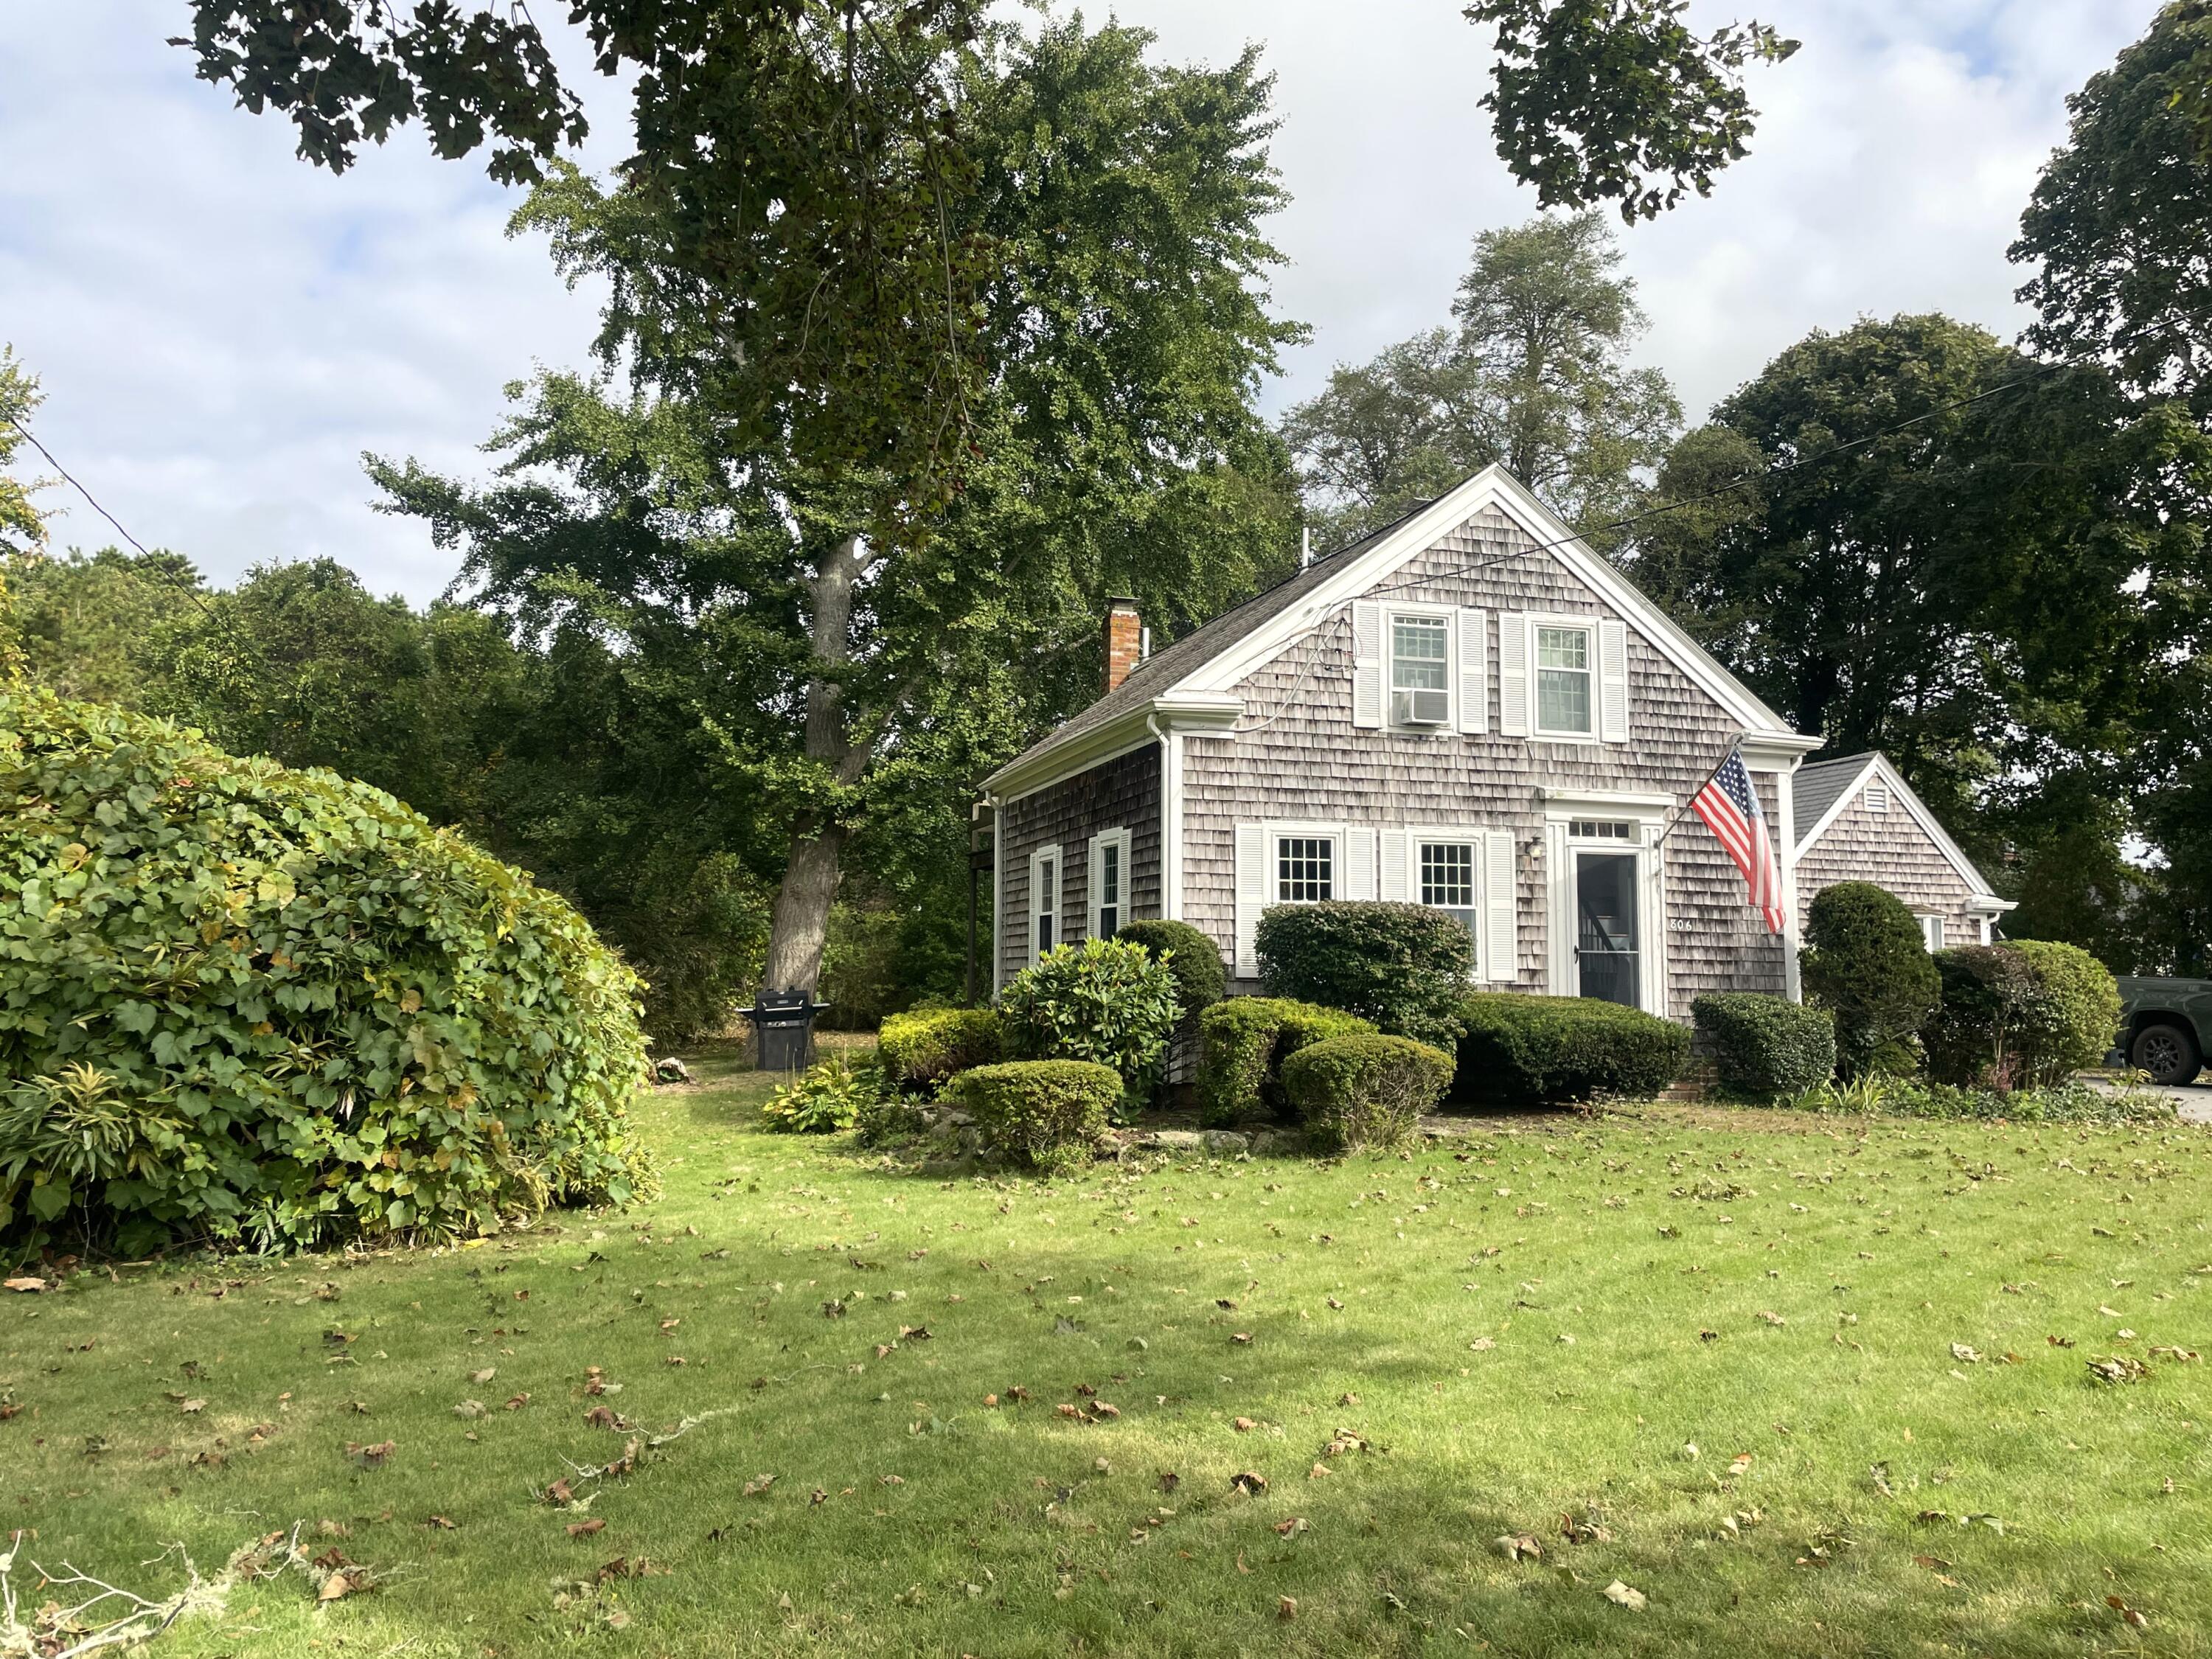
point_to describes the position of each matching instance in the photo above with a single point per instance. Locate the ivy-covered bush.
(2072, 1015)
(1401, 966)
(1050, 1114)
(240, 1001)
(1866, 962)
(1367, 1090)
(1200, 977)
(1767, 1045)
(1531, 1050)
(828, 1095)
(1242, 1045)
(1972, 1039)
(1100, 1000)
(920, 1050)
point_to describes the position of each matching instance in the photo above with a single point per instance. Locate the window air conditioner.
(1421, 707)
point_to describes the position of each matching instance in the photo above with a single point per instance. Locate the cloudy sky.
(222, 330)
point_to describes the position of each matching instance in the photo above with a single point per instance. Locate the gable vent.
(1877, 798)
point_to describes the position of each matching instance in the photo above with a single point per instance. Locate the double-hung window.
(1305, 869)
(1447, 880)
(1044, 901)
(1564, 702)
(1420, 671)
(1931, 932)
(1110, 882)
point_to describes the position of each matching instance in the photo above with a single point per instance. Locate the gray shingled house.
(1469, 708)
(1857, 820)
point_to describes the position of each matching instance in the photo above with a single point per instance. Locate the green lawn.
(1540, 1322)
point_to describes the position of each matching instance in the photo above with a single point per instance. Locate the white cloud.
(222, 329)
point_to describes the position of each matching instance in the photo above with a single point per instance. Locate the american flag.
(1729, 807)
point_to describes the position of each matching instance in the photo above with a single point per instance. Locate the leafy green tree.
(803, 160)
(23, 525)
(853, 685)
(1970, 575)
(93, 626)
(1536, 377)
(1617, 100)
(2122, 214)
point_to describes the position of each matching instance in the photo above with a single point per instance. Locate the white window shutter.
(1252, 861)
(1393, 863)
(1094, 878)
(1358, 864)
(1473, 671)
(1500, 920)
(1367, 664)
(1513, 674)
(1612, 680)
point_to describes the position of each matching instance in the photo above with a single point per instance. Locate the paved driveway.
(2195, 1099)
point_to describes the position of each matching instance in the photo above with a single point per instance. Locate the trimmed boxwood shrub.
(1100, 1000)
(1522, 1050)
(1403, 967)
(1866, 962)
(2072, 1016)
(1365, 1091)
(1050, 1114)
(1767, 1045)
(1199, 976)
(1244, 1043)
(240, 1001)
(922, 1048)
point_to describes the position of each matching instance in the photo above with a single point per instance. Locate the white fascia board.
(1206, 714)
(1495, 487)
(1562, 804)
(1813, 832)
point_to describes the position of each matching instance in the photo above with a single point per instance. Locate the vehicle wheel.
(2167, 1053)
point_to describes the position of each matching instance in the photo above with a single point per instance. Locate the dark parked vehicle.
(2165, 1026)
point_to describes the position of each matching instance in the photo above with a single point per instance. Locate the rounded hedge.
(1404, 967)
(1242, 1045)
(927, 1045)
(1050, 1114)
(240, 1001)
(2072, 1015)
(1200, 977)
(1365, 1091)
(1534, 1050)
(1767, 1045)
(1866, 961)
(1102, 1000)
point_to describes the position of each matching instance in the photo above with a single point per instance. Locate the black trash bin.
(783, 1030)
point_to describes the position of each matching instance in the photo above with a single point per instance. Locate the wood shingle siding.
(1300, 758)
(1123, 793)
(1890, 850)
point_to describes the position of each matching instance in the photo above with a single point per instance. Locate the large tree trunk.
(801, 920)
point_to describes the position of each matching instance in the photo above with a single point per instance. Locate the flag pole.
(1660, 840)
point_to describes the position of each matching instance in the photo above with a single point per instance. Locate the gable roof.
(1821, 791)
(1212, 659)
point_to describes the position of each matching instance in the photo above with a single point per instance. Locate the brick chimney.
(1124, 640)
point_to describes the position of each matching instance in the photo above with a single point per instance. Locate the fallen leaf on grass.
(1249, 1480)
(1291, 1528)
(1739, 1464)
(27, 1283)
(2117, 1369)
(586, 1528)
(1584, 1529)
(1287, 1609)
(516, 1402)
(2127, 1615)
(756, 1485)
(1961, 1352)
(438, 1523)
(371, 1458)
(485, 1375)
(1624, 1595)
(1517, 1547)
(1773, 1318)
(2060, 1341)
(470, 1409)
(1243, 1425)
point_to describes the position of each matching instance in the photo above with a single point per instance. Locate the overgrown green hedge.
(1401, 966)
(2024, 1014)
(1244, 1043)
(1051, 1114)
(239, 1001)
(923, 1049)
(1767, 1045)
(1532, 1050)
(1200, 977)
(1866, 962)
(1366, 1091)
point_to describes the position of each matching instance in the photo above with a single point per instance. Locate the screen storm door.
(1606, 931)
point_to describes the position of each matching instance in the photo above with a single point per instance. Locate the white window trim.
(1038, 887)
(1587, 625)
(1933, 931)
(1647, 814)
(1094, 866)
(1273, 835)
(1448, 614)
(1456, 835)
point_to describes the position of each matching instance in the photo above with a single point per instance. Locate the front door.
(1606, 933)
